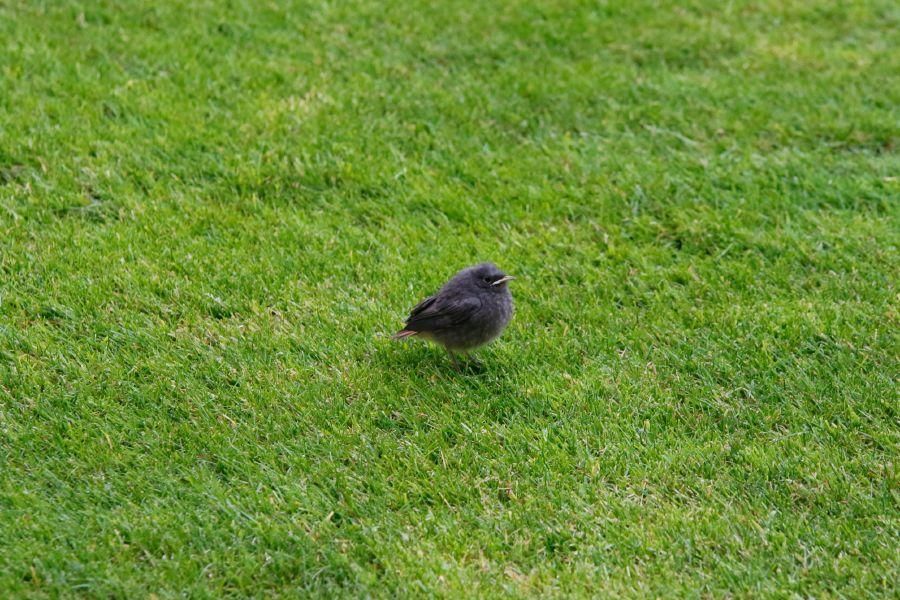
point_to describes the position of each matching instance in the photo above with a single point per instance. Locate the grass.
(213, 214)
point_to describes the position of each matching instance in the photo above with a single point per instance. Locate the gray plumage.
(470, 310)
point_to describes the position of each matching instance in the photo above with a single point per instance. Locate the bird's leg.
(474, 363)
(453, 359)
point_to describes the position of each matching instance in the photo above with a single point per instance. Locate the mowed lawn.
(214, 214)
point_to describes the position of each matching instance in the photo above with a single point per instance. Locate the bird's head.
(488, 276)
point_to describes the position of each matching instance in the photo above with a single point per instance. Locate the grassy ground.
(213, 214)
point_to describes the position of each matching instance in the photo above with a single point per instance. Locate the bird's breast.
(498, 311)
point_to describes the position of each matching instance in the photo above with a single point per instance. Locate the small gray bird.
(470, 310)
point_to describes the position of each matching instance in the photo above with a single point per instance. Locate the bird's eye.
(486, 279)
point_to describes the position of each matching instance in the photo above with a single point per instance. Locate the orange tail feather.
(404, 333)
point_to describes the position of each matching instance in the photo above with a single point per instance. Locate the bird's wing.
(424, 304)
(434, 314)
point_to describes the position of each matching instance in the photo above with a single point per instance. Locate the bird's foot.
(468, 364)
(473, 365)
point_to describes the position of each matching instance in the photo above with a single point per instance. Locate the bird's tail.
(404, 333)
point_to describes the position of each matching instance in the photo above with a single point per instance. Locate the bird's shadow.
(491, 383)
(419, 360)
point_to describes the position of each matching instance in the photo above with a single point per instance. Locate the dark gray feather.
(436, 314)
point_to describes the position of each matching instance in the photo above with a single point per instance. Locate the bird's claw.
(467, 365)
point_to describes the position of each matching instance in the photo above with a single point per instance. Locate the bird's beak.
(503, 279)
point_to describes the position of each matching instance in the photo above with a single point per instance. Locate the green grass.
(213, 214)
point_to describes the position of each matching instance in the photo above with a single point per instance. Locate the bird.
(470, 310)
